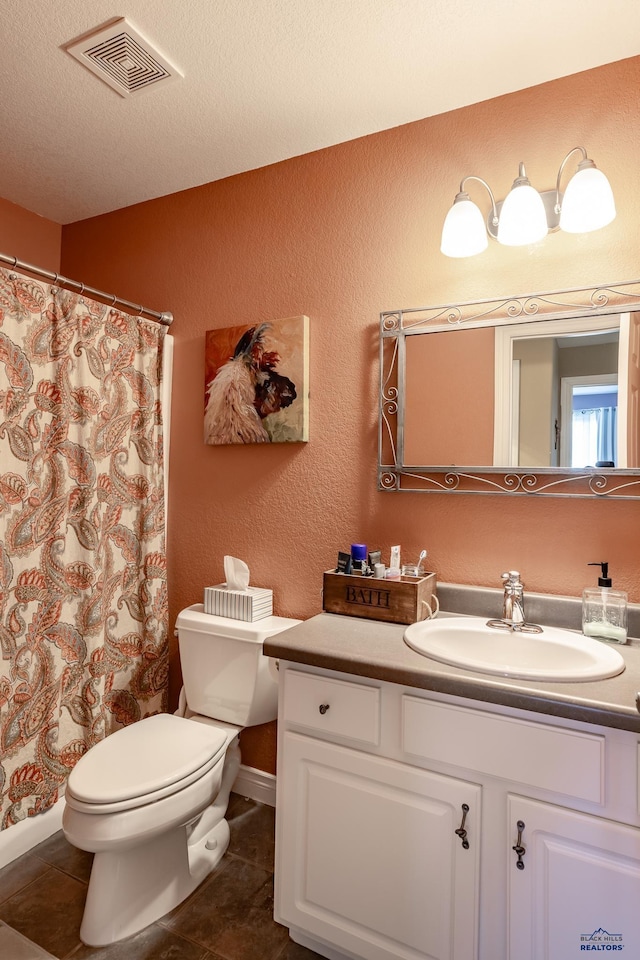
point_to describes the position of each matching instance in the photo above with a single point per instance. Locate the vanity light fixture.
(525, 215)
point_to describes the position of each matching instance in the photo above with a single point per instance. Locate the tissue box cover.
(251, 604)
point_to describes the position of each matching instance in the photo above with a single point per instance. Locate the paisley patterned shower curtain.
(83, 592)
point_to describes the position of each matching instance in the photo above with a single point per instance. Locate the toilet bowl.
(150, 800)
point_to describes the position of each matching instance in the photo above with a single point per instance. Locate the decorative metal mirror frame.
(396, 325)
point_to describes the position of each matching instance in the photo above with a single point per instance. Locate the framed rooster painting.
(256, 383)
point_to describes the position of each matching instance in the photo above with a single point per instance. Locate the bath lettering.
(367, 596)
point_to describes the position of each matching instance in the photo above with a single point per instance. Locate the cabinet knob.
(323, 708)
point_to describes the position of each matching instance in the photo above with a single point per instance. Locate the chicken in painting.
(247, 400)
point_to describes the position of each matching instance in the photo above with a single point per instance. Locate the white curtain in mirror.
(593, 437)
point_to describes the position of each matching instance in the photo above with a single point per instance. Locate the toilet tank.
(225, 673)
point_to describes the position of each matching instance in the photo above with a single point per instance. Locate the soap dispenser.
(604, 611)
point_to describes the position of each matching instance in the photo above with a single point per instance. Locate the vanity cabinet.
(398, 812)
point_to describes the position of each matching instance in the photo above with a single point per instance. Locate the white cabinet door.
(368, 859)
(577, 893)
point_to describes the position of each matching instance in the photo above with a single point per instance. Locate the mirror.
(535, 394)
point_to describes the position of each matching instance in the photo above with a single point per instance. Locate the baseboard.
(255, 785)
(318, 946)
(21, 837)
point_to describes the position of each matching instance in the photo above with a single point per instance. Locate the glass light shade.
(522, 218)
(588, 202)
(463, 233)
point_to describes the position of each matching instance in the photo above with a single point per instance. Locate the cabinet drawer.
(333, 706)
(563, 761)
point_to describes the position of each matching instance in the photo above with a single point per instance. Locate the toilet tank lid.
(194, 618)
(144, 757)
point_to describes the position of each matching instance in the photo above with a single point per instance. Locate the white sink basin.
(554, 654)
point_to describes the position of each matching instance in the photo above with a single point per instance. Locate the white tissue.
(236, 573)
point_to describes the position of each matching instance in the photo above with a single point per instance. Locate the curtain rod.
(165, 318)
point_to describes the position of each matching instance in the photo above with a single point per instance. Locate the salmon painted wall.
(465, 435)
(28, 237)
(340, 235)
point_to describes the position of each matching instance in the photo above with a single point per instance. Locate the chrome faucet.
(513, 617)
(513, 600)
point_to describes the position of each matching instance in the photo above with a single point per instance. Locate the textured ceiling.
(264, 80)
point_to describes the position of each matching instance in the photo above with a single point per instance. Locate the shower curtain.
(83, 592)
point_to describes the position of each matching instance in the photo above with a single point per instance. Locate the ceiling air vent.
(123, 58)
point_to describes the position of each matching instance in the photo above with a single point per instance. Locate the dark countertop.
(371, 648)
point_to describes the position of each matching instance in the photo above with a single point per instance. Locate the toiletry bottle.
(604, 611)
(394, 572)
(358, 557)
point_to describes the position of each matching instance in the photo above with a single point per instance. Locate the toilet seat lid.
(143, 758)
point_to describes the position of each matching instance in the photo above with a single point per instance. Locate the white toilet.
(150, 800)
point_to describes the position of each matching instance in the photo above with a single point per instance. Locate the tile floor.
(229, 917)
